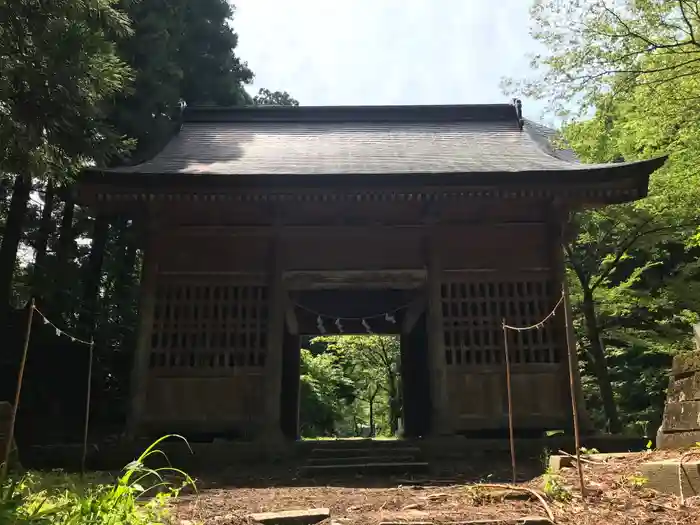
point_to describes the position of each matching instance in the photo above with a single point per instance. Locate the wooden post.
(18, 391)
(573, 364)
(509, 391)
(275, 341)
(441, 425)
(88, 396)
(142, 354)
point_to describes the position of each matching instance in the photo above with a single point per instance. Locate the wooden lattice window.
(473, 308)
(209, 327)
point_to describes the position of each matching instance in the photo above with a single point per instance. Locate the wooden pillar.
(275, 340)
(440, 421)
(142, 352)
(289, 398)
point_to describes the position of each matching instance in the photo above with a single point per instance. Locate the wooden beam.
(338, 229)
(333, 280)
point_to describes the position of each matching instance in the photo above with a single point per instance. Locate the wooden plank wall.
(492, 274)
(208, 353)
(208, 340)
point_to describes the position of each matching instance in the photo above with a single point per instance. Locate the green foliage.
(325, 394)
(350, 383)
(183, 53)
(592, 48)
(211, 73)
(265, 97)
(59, 68)
(99, 82)
(553, 485)
(625, 73)
(140, 496)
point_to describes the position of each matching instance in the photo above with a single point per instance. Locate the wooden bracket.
(290, 317)
(413, 313)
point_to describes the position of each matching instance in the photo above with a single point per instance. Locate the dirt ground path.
(616, 496)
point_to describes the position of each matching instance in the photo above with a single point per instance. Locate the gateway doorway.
(332, 329)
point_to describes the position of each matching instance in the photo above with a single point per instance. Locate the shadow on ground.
(486, 468)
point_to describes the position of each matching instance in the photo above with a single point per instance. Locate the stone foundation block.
(681, 417)
(677, 440)
(681, 421)
(663, 476)
(292, 517)
(558, 462)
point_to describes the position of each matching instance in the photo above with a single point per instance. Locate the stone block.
(677, 440)
(558, 462)
(663, 476)
(684, 389)
(681, 416)
(686, 364)
(292, 517)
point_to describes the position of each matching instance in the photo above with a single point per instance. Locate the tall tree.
(371, 364)
(265, 97)
(211, 72)
(626, 72)
(59, 66)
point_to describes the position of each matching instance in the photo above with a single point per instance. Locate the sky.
(332, 52)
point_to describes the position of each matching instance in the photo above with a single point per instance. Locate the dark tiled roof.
(551, 141)
(359, 140)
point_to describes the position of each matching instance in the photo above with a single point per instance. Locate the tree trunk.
(93, 276)
(4, 187)
(394, 405)
(65, 250)
(599, 362)
(12, 237)
(372, 430)
(45, 227)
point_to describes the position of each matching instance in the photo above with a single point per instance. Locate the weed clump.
(140, 496)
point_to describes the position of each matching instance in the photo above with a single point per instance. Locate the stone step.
(358, 443)
(365, 469)
(368, 451)
(360, 460)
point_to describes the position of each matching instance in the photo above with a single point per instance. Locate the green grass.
(139, 496)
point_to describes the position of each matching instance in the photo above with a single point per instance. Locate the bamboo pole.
(571, 353)
(510, 402)
(88, 396)
(20, 377)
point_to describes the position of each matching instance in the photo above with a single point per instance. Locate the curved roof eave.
(585, 173)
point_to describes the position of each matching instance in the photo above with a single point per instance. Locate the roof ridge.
(383, 113)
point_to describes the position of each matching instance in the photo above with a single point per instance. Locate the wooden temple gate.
(228, 265)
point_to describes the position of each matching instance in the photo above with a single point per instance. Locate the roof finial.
(519, 111)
